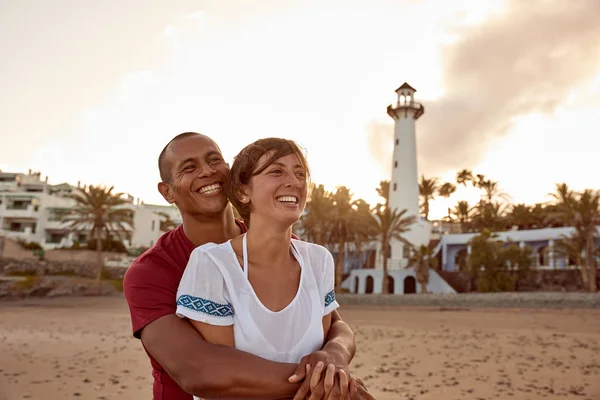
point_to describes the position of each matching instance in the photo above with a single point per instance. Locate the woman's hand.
(325, 376)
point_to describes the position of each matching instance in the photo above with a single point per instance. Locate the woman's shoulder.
(310, 249)
(211, 250)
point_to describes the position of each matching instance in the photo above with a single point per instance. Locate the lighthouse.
(404, 185)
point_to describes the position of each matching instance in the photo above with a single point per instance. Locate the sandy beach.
(82, 348)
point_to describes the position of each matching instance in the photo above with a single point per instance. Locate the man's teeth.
(288, 199)
(210, 189)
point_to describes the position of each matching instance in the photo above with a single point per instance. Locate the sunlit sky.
(91, 91)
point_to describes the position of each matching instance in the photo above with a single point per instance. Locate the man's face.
(198, 175)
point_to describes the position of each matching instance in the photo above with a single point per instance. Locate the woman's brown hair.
(245, 163)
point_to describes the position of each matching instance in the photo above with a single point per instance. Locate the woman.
(263, 292)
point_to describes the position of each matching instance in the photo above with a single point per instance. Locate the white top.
(215, 290)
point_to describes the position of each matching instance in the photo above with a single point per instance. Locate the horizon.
(516, 103)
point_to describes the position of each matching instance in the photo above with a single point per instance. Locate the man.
(193, 173)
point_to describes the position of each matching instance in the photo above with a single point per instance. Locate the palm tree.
(99, 211)
(491, 189)
(489, 216)
(462, 213)
(463, 177)
(387, 225)
(582, 212)
(520, 215)
(422, 259)
(316, 219)
(427, 191)
(446, 190)
(342, 227)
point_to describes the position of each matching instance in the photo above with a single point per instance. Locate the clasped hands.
(326, 377)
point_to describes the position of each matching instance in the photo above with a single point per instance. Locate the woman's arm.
(215, 334)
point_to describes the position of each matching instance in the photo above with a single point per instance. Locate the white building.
(32, 210)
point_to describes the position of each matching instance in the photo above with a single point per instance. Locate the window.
(394, 187)
(397, 141)
(153, 225)
(395, 164)
(405, 251)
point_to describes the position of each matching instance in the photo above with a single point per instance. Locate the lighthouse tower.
(404, 186)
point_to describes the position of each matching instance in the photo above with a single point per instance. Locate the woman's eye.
(275, 171)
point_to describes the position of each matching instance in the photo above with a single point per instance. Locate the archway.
(390, 288)
(410, 285)
(356, 282)
(460, 260)
(542, 256)
(370, 284)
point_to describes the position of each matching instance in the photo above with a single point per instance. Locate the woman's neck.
(217, 228)
(268, 244)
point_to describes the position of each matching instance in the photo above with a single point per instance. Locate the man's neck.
(217, 228)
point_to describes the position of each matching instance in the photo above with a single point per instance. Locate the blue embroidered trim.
(205, 306)
(329, 298)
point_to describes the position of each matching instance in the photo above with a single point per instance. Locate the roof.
(406, 86)
(527, 235)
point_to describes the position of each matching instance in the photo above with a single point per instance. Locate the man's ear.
(165, 190)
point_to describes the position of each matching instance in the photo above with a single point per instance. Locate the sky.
(92, 91)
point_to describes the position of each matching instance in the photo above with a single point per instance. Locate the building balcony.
(29, 211)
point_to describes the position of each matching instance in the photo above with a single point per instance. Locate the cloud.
(526, 60)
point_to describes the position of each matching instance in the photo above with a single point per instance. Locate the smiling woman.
(244, 292)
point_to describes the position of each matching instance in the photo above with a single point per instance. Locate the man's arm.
(213, 371)
(340, 339)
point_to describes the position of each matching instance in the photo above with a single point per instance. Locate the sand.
(82, 348)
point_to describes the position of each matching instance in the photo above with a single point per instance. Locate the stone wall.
(11, 249)
(46, 267)
(555, 280)
(556, 300)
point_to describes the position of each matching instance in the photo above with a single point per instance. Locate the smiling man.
(193, 174)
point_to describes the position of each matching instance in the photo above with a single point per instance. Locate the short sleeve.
(202, 294)
(150, 286)
(328, 285)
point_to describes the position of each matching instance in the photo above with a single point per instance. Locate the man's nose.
(205, 171)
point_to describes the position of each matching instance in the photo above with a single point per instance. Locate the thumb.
(300, 373)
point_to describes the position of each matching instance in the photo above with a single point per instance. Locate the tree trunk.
(100, 262)
(582, 265)
(590, 264)
(384, 284)
(339, 265)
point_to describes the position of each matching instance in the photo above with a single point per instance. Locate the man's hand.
(333, 385)
(358, 391)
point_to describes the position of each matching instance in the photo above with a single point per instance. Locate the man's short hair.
(163, 167)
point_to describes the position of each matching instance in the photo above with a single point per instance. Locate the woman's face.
(278, 193)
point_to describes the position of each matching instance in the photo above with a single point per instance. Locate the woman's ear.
(243, 197)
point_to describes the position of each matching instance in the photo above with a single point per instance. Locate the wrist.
(338, 351)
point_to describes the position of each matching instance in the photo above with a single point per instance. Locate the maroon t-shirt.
(150, 286)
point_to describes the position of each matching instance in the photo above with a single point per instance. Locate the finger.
(317, 393)
(299, 374)
(335, 391)
(304, 389)
(316, 375)
(329, 377)
(352, 388)
(343, 384)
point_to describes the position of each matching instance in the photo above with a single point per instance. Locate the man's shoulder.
(168, 253)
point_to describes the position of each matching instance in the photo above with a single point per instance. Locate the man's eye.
(189, 168)
(214, 160)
